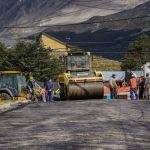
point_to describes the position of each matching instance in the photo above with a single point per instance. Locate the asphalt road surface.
(77, 125)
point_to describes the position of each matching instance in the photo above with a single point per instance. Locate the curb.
(14, 106)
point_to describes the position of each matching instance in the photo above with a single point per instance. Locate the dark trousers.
(113, 93)
(49, 96)
(141, 92)
(133, 93)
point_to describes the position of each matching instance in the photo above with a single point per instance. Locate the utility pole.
(67, 42)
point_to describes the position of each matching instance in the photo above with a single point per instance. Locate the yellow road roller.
(79, 81)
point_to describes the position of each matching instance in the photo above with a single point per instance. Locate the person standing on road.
(147, 86)
(141, 86)
(31, 87)
(49, 91)
(113, 87)
(133, 87)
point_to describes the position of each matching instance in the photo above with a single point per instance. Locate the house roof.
(51, 37)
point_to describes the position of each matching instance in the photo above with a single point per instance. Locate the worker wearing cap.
(147, 86)
(30, 86)
(141, 86)
(133, 87)
(113, 87)
(49, 91)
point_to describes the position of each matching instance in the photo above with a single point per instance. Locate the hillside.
(88, 23)
(101, 34)
(106, 22)
(103, 64)
(52, 12)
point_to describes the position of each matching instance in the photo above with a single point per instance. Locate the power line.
(92, 52)
(74, 24)
(95, 6)
(98, 42)
(40, 20)
(73, 42)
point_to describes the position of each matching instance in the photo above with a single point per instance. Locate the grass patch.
(5, 102)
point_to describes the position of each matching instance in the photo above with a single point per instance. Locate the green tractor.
(12, 85)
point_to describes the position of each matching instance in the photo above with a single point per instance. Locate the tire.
(62, 93)
(5, 96)
(62, 96)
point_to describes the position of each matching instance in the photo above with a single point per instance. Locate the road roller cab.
(79, 81)
(12, 85)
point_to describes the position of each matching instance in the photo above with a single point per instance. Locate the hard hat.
(31, 78)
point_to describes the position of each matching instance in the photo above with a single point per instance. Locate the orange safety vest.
(133, 82)
(42, 91)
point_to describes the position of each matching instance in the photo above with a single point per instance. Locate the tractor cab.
(12, 85)
(80, 61)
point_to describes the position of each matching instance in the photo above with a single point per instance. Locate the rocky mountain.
(52, 12)
(98, 25)
(106, 34)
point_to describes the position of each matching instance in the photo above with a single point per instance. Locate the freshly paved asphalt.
(77, 125)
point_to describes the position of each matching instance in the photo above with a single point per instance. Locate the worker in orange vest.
(133, 87)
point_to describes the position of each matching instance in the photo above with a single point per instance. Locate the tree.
(138, 53)
(4, 60)
(30, 57)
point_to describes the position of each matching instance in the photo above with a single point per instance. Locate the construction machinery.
(12, 85)
(79, 81)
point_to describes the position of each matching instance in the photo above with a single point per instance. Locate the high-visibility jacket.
(112, 83)
(133, 82)
(42, 91)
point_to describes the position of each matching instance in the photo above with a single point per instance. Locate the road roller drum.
(93, 90)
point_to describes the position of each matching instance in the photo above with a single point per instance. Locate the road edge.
(13, 106)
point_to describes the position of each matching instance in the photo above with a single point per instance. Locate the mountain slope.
(52, 12)
(102, 35)
(98, 22)
(99, 34)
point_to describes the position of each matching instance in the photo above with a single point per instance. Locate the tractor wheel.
(5, 96)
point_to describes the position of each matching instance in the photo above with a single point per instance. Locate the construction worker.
(141, 86)
(30, 86)
(113, 87)
(49, 91)
(42, 94)
(133, 87)
(147, 86)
